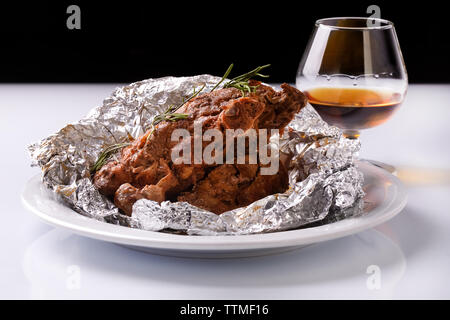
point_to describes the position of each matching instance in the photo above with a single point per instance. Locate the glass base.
(385, 166)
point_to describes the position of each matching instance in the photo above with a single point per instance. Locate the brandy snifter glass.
(353, 73)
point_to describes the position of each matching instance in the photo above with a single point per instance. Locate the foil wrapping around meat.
(324, 183)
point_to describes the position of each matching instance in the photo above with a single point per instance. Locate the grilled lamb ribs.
(145, 169)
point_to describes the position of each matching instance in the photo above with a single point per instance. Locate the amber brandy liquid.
(354, 108)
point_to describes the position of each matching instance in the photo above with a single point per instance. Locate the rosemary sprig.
(241, 82)
(223, 77)
(167, 115)
(170, 115)
(192, 96)
(106, 154)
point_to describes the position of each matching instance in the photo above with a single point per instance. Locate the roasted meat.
(145, 169)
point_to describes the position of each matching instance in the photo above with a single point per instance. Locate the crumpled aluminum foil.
(325, 185)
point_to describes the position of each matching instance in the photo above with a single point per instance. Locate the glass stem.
(351, 134)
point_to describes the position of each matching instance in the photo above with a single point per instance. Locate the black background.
(130, 40)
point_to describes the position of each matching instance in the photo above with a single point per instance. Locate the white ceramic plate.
(385, 197)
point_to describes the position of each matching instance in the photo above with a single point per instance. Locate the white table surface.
(412, 251)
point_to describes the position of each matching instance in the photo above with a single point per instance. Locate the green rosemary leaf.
(176, 116)
(170, 115)
(241, 82)
(223, 77)
(106, 154)
(192, 96)
(247, 76)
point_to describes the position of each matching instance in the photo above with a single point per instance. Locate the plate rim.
(158, 240)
